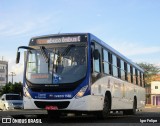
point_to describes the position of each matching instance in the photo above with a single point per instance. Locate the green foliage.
(150, 71)
(12, 88)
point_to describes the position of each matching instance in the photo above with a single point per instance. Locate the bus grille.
(60, 105)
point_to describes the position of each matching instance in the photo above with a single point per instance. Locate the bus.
(79, 73)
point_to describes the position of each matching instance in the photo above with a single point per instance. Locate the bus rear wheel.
(106, 108)
(131, 111)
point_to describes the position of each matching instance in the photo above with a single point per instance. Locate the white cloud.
(18, 69)
(158, 64)
(131, 49)
(12, 28)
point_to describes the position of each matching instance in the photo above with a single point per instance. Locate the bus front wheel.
(106, 108)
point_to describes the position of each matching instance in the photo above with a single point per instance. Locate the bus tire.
(131, 111)
(106, 108)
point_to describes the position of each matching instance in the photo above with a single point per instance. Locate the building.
(155, 93)
(3, 73)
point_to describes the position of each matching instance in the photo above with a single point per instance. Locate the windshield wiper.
(44, 53)
(67, 49)
(65, 52)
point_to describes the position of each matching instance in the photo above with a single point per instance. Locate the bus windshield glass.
(66, 64)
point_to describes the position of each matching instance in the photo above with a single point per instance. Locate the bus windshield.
(66, 64)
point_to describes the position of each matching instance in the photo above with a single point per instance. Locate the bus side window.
(122, 70)
(96, 59)
(118, 66)
(136, 76)
(129, 73)
(131, 68)
(141, 79)
(125, 70)
(114, 66)
(97, 65)
(110, 62)
(105, 62)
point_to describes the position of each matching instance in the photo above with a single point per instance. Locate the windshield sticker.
(56, 79)
(63, 96)
(39, 76)
(41, 95)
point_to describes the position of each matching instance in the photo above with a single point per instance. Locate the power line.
(12, 74)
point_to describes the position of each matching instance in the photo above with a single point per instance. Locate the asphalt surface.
(148, 116)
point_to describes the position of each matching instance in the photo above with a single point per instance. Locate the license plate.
(51, 108)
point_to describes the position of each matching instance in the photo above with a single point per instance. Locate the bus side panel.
(122, 92)
(140, 93)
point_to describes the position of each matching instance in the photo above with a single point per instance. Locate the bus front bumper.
(86, 103)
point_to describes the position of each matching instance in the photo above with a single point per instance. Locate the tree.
(150, 71)
(16, 88)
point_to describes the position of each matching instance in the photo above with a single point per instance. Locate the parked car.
(11, 101)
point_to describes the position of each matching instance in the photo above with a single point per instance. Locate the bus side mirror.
(96, 54)
(18, 57)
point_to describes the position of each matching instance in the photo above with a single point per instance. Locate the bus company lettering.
(63, 96)
(64, 39)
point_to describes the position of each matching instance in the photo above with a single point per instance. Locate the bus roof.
(93, 37)
(59, 34)
(115, 52)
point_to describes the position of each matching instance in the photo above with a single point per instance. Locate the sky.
(132, 27)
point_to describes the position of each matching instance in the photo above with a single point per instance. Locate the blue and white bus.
(79, 73)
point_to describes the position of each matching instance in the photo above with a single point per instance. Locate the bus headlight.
(81, 92)
(26, 93)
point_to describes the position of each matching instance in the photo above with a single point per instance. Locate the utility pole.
(12, 74)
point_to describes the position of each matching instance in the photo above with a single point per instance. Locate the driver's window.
(31, 63)
(97, 62)
(96, 65)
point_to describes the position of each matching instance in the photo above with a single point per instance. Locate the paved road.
(147, 116)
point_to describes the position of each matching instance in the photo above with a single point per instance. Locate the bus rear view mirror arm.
(18, 53)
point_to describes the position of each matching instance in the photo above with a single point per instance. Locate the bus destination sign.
(61, 39)
(58, 40)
